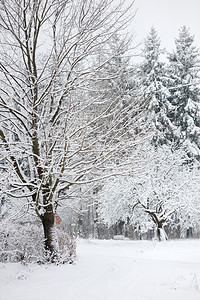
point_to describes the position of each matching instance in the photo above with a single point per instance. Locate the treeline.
(154, 191)
(162, 198)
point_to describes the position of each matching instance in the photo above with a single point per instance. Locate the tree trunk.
(96, 218)
(49, 233)
(189, 233)
(160, 232)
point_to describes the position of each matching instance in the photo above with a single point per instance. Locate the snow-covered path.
(117, 270)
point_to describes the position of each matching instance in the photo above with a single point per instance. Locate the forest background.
(91, 143)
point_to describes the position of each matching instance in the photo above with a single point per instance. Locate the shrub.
(25, 243)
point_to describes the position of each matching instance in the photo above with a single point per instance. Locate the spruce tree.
(151, 84)
(184, 94)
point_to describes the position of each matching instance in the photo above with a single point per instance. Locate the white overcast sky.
(167, 16)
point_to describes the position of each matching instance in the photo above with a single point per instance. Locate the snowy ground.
(111, 270)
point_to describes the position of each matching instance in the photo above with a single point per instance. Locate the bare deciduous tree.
(55, 132)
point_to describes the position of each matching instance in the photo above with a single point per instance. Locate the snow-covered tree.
(54, 139)
(115, 78)
(156, 197)
(118, 64)
(151, 84)
(184, 97)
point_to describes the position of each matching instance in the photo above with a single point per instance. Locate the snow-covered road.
(111, 270)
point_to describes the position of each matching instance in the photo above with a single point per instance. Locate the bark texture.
(48, 223)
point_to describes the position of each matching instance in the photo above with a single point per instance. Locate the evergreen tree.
(115, 77)
(151, 84)
(184, 97)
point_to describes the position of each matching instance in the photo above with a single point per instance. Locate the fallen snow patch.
(111, 270)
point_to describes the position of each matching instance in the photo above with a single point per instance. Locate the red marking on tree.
(58, 219)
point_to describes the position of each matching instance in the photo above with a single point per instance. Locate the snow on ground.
(111, 270)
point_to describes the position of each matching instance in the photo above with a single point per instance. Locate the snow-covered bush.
(25, 243)
(67, 248)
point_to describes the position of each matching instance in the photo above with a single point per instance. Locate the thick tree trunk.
(160, 232)
(49, 233)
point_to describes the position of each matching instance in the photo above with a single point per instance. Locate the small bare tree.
(57, 134)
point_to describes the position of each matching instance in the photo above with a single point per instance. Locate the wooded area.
(109, 146)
